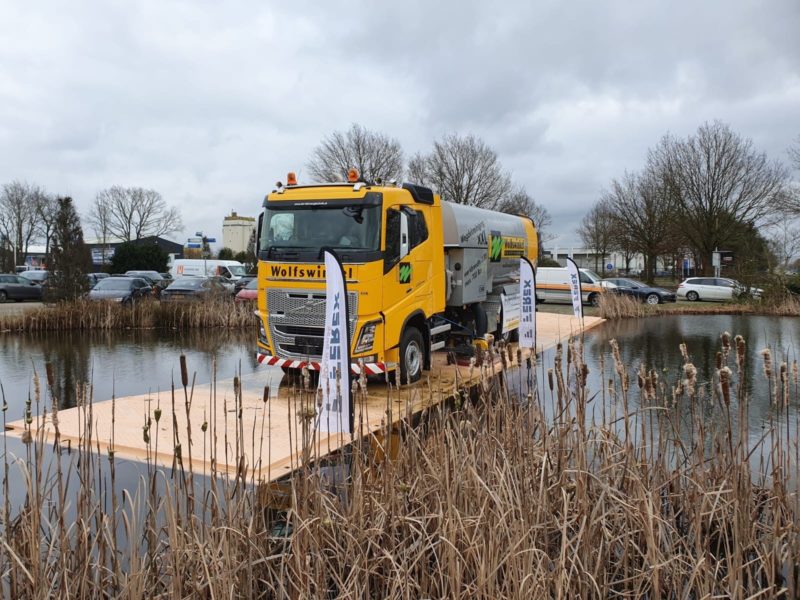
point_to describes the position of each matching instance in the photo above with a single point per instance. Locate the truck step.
(437, 346)
(440, 329)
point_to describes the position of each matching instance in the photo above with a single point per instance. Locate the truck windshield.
(347, 227)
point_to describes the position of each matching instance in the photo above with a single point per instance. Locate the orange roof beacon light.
(352, 176)
(291, 178)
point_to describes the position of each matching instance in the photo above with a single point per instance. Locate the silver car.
(718, 289)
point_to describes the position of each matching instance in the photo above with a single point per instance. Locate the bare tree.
(597, 230)
(643, 211)
(519, 202)
(719, 179)
(375, 156)
(18, 215)
(132, 213)
(46, 213)
(790, 200)
(463, 170)
(784, 242)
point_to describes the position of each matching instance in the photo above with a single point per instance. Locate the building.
(236, 232)
(102, 253)
(610, 264)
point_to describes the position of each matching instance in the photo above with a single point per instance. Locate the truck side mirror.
(404, 240)
(258, 232)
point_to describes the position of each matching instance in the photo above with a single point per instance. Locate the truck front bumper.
(370, 368)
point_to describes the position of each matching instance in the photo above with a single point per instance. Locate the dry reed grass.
(612, 306)
(85, 315)
(486, 499)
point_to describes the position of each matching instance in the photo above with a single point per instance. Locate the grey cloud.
(212, 103)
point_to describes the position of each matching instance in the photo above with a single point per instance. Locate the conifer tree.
(70, 259)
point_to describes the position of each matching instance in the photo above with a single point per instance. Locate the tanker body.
(422, 274)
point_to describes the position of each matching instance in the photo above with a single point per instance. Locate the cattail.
(184, 371)
(640, 377)
(766, 354)
(784, 371)
(740, 346)
(726, 342)
(550, 379)
(684, 352)
(691, 377)
(157, 414)
(719, 360)
(794, 372)
(725, 384)
(265, 398)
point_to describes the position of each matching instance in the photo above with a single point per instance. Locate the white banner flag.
(575, 288)
(527, 292)
(334, 378)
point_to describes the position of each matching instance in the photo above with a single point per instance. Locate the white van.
(232, 270)
(552, 285)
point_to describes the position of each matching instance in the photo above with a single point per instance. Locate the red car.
(248, 293)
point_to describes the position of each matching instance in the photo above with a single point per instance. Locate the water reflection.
(118, 362)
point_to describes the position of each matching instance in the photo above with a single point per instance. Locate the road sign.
(211, 240)
(194, 245)
(609, 266)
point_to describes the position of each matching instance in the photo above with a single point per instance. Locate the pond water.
(122, 363)
(655, 343)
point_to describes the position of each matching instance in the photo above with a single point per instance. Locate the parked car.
(154, 277)
(639, 290)
(95, 277)
(121, 289)
(16, 287)
(248, 293)
(715, 288)
(39, 276)
(193, 288)
(242, 283)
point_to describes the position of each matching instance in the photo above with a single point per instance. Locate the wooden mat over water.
(239, 423)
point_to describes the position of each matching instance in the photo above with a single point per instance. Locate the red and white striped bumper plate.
(355, 368)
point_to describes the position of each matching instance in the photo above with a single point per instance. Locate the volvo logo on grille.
(313, 304)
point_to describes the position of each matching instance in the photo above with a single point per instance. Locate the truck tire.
(412, 355)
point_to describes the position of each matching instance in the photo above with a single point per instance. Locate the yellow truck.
(422, 274)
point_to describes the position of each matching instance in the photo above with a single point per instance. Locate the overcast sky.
(211, 102)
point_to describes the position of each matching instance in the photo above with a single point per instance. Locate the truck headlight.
(366, 337)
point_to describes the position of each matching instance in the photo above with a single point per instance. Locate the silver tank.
(482, 250)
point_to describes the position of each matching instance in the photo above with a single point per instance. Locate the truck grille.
(297, 321)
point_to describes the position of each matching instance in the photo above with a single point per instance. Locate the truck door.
(405, 268)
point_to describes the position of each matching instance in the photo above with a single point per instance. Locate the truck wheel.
(412, 355)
